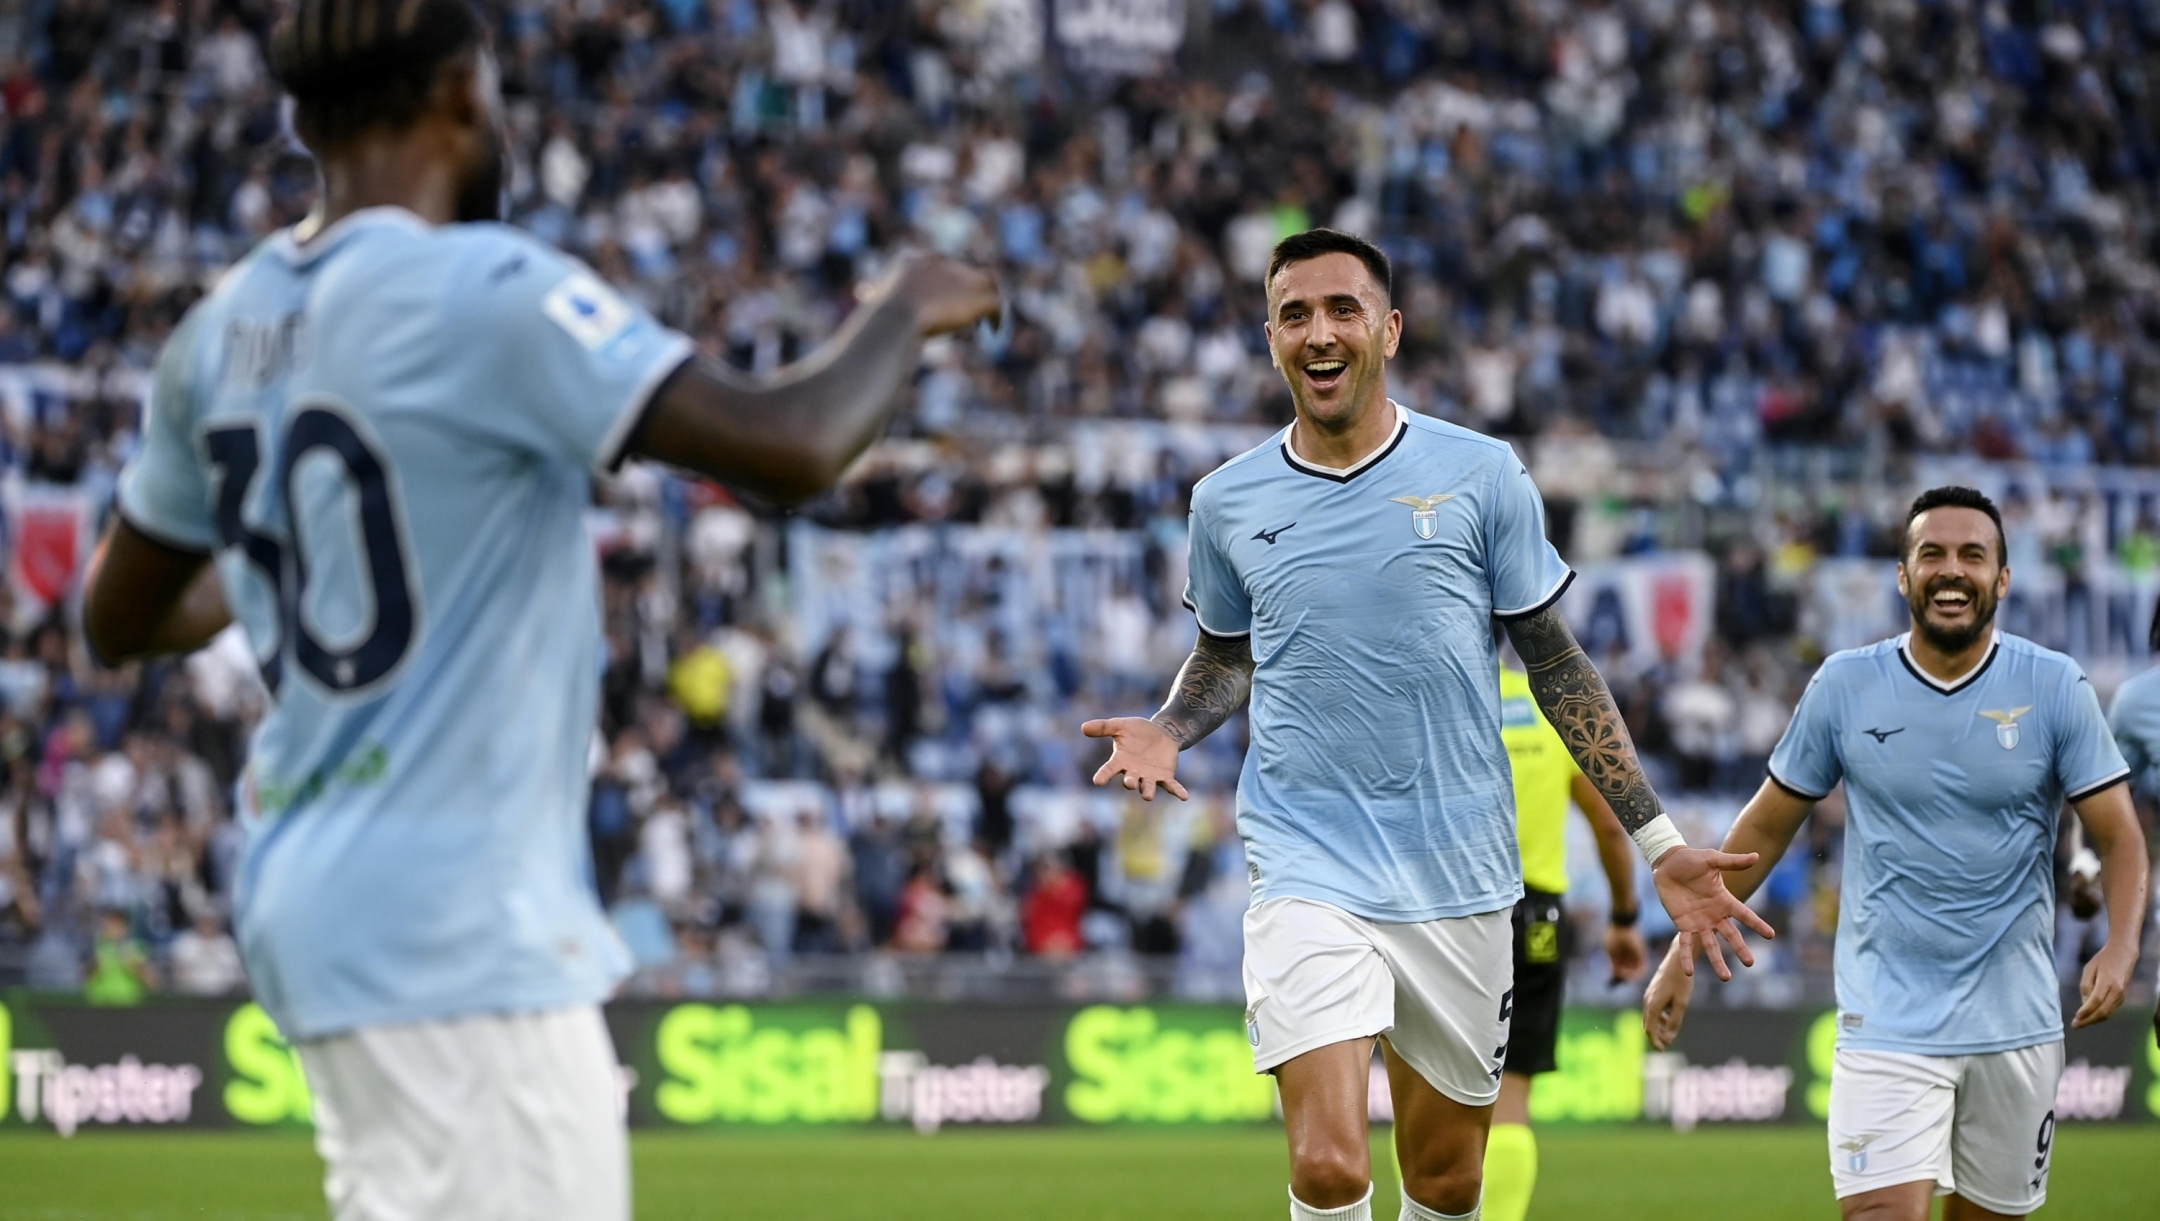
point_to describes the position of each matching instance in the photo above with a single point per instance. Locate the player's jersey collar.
(1962, 681)
(294, 252)
(1347, 473)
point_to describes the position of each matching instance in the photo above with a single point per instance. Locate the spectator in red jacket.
(1050, 916)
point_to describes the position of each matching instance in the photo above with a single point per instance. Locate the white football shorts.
(488, 1117)
(1441, 991)
(1980, 1125)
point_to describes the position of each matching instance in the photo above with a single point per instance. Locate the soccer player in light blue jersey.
(2135, 718)
(1345, 576)
(373, 445)
(1957, 745)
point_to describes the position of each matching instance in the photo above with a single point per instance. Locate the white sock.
(1360, 1211)
(1414, 1211)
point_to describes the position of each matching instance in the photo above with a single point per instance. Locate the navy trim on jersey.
(159, 537)
(1795, 791)
(615, 447)
(2095, 790)
(1544, 603)
(1300, 465)
(1205, 630)
(1994, 650)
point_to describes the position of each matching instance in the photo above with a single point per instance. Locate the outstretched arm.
(1211, 686)
(143, 596)
(787, 437)
(1764, 830)
(1574, 698)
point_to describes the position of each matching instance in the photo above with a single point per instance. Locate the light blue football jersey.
(1376, 779)
(387, 437)
(2135, 718)
(1946, 926)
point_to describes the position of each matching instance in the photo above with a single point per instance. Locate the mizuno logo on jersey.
(1424, 511)
(1269, 536)
(2006, 724)
(1883, 735)
(589, 310)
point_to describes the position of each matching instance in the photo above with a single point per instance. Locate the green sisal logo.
(1128, 1065)
(267, 1085)
(2152, 1061)
(1821, 1059)
(1600, 1075)
(721, 1065)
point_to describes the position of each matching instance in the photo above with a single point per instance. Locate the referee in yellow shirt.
(1545, 779)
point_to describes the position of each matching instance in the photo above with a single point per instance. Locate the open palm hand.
(1143, 751)
(1691, 884)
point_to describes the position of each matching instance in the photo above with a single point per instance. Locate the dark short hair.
(1311, 244)
(1956, 498)
(352, 65)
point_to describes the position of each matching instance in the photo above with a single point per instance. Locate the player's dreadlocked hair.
(355, 64)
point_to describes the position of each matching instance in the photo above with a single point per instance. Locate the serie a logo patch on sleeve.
(589, 310)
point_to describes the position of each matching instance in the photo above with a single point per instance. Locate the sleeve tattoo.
(1211, 686)
(1573, 696)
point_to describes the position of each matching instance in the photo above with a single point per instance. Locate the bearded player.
(1345, 577)
(1957, 745)
(374, 442)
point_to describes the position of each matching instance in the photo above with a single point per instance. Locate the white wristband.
(1658, 837)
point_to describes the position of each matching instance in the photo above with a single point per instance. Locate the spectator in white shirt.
(205, 962)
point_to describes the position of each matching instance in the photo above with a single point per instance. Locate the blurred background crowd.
(1736, 277)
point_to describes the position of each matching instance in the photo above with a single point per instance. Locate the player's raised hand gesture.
(1691, 884)
(1143, 751)
(946, 294)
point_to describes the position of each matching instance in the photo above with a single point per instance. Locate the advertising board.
(69, 1067)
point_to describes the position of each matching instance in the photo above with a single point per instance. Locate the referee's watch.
(1623, 919)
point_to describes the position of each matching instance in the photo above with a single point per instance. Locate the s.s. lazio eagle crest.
(2006, 724)
(1424, 512)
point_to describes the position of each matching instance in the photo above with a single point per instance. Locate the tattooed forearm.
(1211, 686)
(1573, 696)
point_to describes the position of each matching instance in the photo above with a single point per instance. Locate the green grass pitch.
(1763, 1174)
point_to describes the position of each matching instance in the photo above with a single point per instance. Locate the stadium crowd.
(1671, 248)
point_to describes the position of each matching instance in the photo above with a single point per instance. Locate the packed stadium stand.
(1736, 278)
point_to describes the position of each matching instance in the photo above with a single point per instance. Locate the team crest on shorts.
(1424, 512)
(1856, 1153)
(2006, 725)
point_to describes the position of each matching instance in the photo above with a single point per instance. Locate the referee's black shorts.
(1541, 953)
